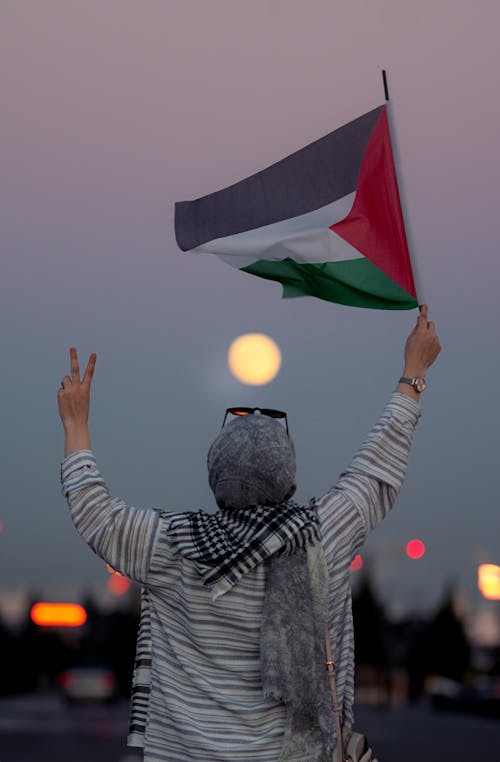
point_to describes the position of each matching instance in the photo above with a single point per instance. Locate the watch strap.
(416, 382)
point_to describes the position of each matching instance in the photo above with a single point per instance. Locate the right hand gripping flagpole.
(402, 197)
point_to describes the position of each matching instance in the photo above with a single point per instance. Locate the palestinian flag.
(325, 222)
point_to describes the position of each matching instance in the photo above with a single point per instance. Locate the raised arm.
(122, 535)
(367, 489)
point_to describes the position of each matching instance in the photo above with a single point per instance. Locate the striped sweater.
(198, 689)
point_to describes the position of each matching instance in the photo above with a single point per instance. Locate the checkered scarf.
(229, 543)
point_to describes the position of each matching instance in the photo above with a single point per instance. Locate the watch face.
(420, 384)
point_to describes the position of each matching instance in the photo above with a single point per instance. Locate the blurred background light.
(117, 584)
(254, 359)
(415, 549)
(58, 614)
(356, 563)
(488, 581)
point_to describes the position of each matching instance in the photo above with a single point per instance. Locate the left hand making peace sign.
(73, 399)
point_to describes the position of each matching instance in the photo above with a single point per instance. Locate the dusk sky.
(112, 110)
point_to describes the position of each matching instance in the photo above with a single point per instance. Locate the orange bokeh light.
(117, 584)
(415, 549)
(356, 563)
(488, 581)
(58, 614)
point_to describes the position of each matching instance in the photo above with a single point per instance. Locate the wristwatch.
(417, 383)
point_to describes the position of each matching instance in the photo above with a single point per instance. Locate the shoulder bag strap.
(330, 665)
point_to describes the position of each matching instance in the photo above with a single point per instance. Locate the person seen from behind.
(230, 662)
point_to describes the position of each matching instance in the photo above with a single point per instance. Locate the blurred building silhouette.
(439, 648)
(33, 657)
(396, 661)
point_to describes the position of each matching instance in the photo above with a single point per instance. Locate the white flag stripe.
(306, 238)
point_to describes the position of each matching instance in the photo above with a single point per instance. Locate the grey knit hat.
(252, 462)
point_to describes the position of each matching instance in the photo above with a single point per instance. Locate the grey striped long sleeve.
(374, 477)
(122, 535)
(360, 499)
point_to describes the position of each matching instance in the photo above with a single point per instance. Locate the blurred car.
(89, 682)
(482, 697)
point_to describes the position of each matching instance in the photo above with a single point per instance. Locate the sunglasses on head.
(262, 410)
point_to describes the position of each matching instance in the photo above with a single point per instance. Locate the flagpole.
(402, 197)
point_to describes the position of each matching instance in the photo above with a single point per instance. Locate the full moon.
(254, 359)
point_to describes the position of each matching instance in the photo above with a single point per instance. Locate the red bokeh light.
(356, 563)
(415, 549)
(117, 584)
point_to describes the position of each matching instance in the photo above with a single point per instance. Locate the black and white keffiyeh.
(228, 544)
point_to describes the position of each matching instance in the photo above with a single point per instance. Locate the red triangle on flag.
(375, 225)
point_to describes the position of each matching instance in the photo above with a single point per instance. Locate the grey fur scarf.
(293, 652)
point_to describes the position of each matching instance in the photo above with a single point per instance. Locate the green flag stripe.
(356, 283)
